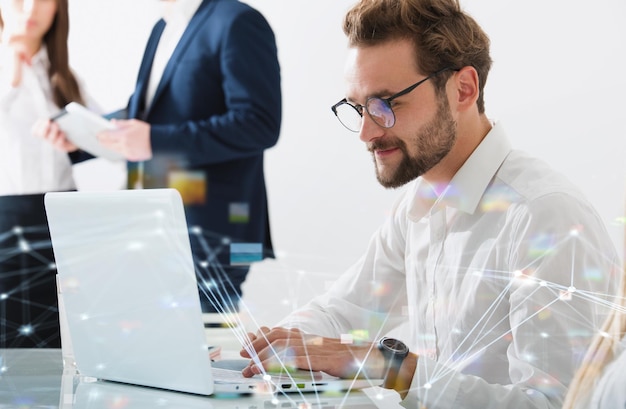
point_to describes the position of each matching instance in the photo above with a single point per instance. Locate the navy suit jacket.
(215, 111)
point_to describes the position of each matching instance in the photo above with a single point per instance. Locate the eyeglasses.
(379, 109)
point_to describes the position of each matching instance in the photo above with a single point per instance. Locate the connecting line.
(6, 235)
(212, 254)
(484, 319)
(473, 355)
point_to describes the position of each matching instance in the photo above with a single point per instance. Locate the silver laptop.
(129, 287)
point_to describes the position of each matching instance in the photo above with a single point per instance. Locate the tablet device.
(81, 126)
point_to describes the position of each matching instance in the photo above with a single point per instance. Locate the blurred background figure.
(206, 106)
(35, 82)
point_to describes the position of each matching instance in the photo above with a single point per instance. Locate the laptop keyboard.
(221, 375)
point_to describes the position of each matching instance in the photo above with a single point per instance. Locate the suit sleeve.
(250, 82)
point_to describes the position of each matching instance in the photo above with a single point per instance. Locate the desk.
(35, 378)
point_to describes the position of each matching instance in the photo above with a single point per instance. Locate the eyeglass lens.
(349, 116)
(378, 109)
(381, 112)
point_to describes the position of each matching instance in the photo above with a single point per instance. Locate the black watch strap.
(394, 352)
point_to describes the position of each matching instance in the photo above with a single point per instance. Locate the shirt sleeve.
(369, 297)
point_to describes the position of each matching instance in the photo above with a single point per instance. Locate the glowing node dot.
(517, 273)
(605, 334)
(204, 264)
(544, 335)
(571, 290)
(285, 302)
(574, 232)
(84, 317)
(477, 273)
(543, 283)
(267, 377)
(26, 330)
(225, 240)
(380, 396)
(428, 385)
(275, 401)
(4, 296)
(3, 369)
(24, 246)
(17, 230)
(197, 230)
(358, 364)
(52, 266)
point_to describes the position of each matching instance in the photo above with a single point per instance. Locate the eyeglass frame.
(387, 101)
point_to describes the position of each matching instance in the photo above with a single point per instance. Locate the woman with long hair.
(35, 82)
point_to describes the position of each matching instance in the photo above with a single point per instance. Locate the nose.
(370, 130)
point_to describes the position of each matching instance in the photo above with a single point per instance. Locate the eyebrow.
(378, 94)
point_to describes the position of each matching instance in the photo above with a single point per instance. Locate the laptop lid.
(127, 277)
(128, 282)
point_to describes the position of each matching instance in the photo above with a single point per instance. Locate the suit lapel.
(194, 25)
(138, 101)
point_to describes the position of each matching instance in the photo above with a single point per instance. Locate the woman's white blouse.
(28, 164)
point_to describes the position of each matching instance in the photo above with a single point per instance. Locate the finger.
(40, 129)
(246, 347)
(250, 370)
(16, 79)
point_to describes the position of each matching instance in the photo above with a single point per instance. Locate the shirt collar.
(182, 11)
(469, 184)
(41, 57)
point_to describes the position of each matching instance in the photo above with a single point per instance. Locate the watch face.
(394, 345)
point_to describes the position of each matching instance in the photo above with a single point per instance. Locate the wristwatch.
(394, 352)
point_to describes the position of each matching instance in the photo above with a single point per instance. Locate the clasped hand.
(282, 349)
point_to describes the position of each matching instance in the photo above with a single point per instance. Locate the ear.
(466, 87)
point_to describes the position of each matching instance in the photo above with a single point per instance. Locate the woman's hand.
(50, 131)
(20, 54)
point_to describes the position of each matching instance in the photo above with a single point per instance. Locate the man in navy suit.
(206, 106)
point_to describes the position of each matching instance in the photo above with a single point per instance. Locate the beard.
(432, 142)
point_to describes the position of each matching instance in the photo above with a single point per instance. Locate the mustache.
(383, 145)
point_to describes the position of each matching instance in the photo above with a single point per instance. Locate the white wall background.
(557, 83)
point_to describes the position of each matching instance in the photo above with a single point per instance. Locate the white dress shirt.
(28, 164)
(481, 273)
(177, 16)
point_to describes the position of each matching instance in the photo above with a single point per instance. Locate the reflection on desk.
(35, 378)
(107, 395)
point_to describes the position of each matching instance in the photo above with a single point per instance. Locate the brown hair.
(65, 88)
(444, 36)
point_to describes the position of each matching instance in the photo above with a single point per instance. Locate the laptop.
(128, 281)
